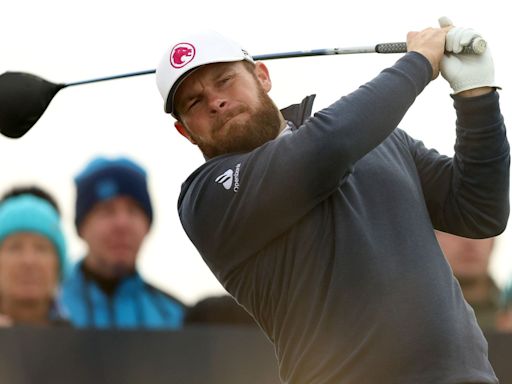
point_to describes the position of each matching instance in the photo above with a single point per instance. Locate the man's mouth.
(228, 116)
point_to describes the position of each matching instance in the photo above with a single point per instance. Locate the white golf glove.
(465, 70)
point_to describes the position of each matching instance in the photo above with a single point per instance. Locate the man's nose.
(29, 255)
(121, 218)
(217, 102)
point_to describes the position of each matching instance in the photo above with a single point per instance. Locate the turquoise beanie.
(29, 213)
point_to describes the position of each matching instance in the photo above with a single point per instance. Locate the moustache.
(223, 118)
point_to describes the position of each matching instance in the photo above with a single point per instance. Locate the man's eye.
(14, 247)
(192, 104)
(225, 79)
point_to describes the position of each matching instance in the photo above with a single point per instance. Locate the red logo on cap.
(182, 54)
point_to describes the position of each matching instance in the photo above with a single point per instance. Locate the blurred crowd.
(113, 215)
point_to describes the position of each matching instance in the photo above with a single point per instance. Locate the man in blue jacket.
(113, 217)
(324, 232)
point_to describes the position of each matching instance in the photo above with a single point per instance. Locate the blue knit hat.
(103, 179)
(29, 213)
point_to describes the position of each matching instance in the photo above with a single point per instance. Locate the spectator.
(504, 314)
(469, 259)
(113, 216)
(32, 258)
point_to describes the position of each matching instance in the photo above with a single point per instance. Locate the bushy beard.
(263, 125)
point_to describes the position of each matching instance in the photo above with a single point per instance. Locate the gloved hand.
(465, 70)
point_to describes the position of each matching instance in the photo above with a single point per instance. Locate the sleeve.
(468, 195)
(276, 184)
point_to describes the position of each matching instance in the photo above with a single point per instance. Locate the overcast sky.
(67, 41)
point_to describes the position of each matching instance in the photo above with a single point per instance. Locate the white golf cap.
(189, 53)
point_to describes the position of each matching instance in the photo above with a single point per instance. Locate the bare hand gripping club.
(24, 97)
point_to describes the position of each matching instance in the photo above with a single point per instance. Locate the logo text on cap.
(182, 54)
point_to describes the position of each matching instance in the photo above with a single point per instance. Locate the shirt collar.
(290, 127)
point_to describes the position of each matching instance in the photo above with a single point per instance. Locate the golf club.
(24, 97)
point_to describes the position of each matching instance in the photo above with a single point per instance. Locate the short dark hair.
(249, 65)
(31, 190)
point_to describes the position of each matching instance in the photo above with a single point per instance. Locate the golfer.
(324, 232)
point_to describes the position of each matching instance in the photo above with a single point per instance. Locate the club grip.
(477, 46)
(391, 48)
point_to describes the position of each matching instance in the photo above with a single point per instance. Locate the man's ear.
(263, 75)
(183, 131)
